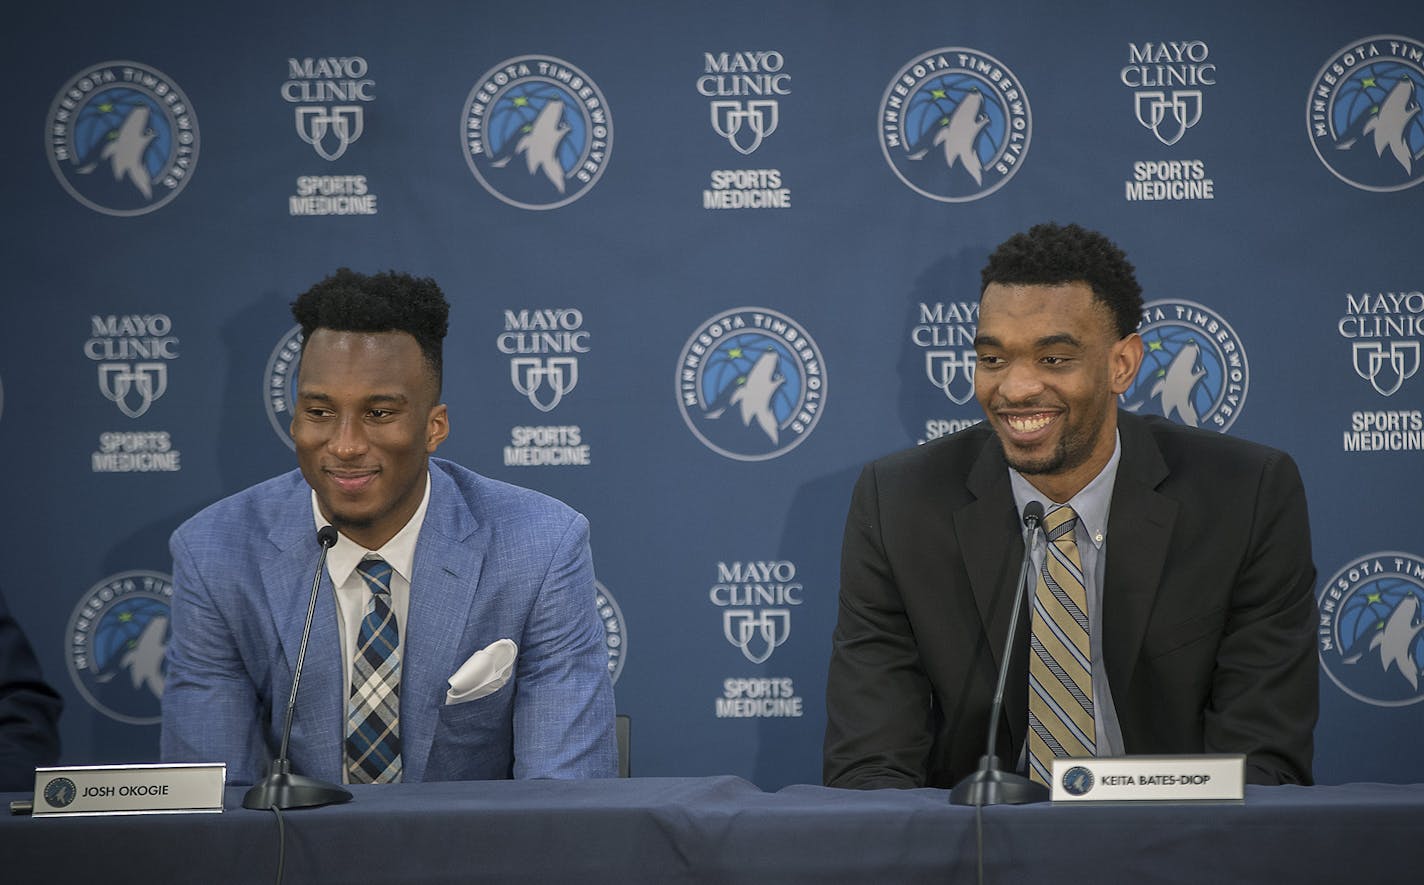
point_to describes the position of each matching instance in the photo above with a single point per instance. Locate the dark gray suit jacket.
(1208, 609)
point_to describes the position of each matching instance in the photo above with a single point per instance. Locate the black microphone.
(281, 789)
(991, 785)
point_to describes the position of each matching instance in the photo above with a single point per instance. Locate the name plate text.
(1150, 779)
(129, 789)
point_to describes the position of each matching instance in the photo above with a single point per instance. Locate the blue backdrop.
(638, 210)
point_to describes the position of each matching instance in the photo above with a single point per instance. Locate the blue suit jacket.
(492, 561)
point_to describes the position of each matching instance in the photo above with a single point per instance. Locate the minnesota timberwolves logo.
(1194, 368)
(122, 138)
(279, 383)
(60, 792)
(1363, 113)
(955, 124)
(116, 640)
(1370, 629)
(751, 384)
(615, 629)
(536, 132)
(1077, 781)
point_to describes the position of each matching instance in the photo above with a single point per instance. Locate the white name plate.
(129, 789)
(1150, 779)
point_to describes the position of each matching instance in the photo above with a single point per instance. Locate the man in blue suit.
(495, 648)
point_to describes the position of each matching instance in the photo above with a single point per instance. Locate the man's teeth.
(1028, 424)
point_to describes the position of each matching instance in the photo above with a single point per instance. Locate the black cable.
(979, 840)
(281, 843)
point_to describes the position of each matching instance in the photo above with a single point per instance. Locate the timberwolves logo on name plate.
(1194, 368)
(1077, 781)
(122, 138)
(115, 644)
(751, 384)
(60, 792)
(536, 132)
(615, 630)
(954, 124)
(279, 383)
(1370, 629)
(1363, 113)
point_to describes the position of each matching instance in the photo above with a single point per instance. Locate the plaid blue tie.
(373, 751)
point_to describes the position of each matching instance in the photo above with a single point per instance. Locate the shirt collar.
(399, 551)
(1091, 503)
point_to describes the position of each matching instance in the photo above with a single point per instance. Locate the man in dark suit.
(1195, 556)
(29, 710)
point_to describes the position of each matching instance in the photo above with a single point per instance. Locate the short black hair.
(348, 301)
(1053, 254)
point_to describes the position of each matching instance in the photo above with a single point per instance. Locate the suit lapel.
(1139, 532)
(286, 580)
(449, 557)
(981, 527)
(992, 546)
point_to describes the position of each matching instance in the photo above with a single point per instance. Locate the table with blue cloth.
(725, 829)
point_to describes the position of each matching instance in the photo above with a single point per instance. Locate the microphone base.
(283, 790)
(990, 786)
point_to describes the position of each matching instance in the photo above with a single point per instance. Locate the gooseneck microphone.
(281, 789)
(991, 785)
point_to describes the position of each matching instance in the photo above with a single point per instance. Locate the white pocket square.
(484, 673)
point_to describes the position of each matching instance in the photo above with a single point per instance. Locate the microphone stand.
(991, 785)
(281, 789)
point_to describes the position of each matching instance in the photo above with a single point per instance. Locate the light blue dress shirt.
(1092, 505)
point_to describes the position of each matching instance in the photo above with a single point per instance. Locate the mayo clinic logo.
(1386, 366)
(954, 124)
(952, 371)
(544, 347)
(747, 120)
(530, 374)
(115, 644)
(122, 138)
(536, 132)
(751, 384)
(615, 630)
(1155, 71)
(1363, 117)
(331, 126)
(945, 332)
(345, 123)
(1182, 107)
(1194, 367)
(756, 599)
(279, 383)
(1370, 626)
(1384, 331)
(132, 352)
(759, 116)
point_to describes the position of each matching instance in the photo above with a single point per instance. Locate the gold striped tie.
(1060, 664)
